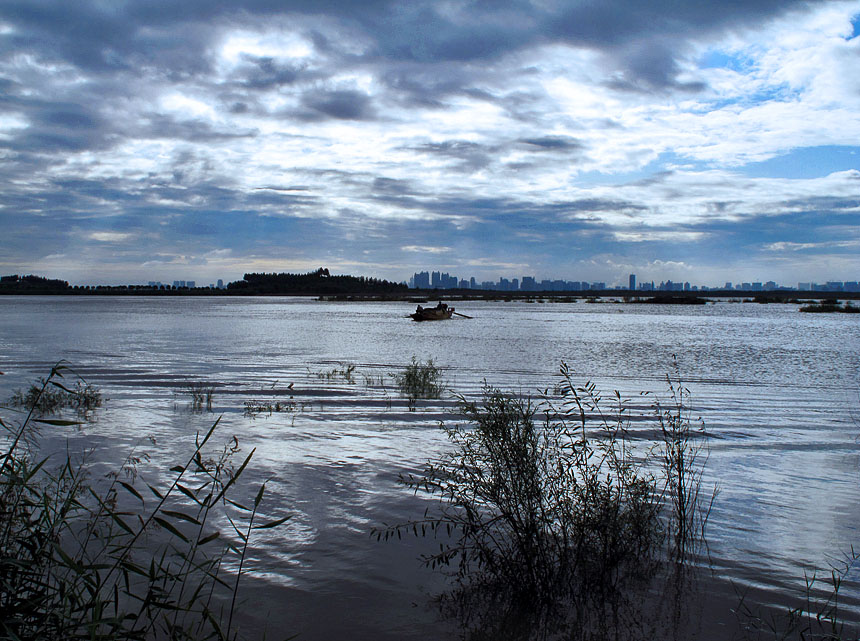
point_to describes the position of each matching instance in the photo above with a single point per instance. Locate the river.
(777, 391)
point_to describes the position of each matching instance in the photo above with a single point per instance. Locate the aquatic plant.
(82, 559)
(547, 507)
(420, 380)
(345, 372)
(830, 306)
(819, 616)
(254, 407)
(683, 454)
(201, 394)
(49, 396)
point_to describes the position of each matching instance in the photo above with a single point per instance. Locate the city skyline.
(687, 141)
(443, 280)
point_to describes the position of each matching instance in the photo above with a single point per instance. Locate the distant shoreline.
(325, 286)
(420, 296)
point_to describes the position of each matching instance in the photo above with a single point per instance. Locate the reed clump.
(420, 380)
(123, 559)
(345, 372)
(548, 507)
(49, 396)
(201, 394)
(255, 407)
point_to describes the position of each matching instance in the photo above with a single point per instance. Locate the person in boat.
(419, 309)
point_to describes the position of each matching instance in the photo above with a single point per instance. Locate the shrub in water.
(547, 506)
(420, 380)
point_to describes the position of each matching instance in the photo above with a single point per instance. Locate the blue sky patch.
(806, 162)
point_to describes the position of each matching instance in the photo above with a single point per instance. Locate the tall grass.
(121, 560)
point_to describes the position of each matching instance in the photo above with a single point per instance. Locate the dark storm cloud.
(428, 85)
(468, 155)
(162, 126)
(266, 73)
(339, 105)
(56, 126)
(641, 37)
(553, 143)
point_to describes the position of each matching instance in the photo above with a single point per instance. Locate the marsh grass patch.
(116, 557)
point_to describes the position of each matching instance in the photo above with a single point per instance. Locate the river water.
(777, 391)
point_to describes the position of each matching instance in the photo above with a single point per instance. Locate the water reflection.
(775, 388)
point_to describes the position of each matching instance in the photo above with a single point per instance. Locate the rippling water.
(777, 390)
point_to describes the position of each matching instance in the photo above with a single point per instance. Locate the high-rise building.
(632, 285)
(421, 280)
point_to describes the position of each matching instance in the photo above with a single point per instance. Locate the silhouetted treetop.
(316, 283)
(31, 284)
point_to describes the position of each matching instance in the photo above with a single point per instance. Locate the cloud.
(662, 236)
(505, 132)
(423, 249)
(109, 236)
(784, 246)
(341, 105)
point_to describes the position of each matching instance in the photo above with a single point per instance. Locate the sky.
(584, 140)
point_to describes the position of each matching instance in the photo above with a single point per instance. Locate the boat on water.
(440, 312)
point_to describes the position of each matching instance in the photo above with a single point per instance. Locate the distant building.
(421, 280)
(632, 283)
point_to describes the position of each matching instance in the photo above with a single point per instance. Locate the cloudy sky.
(577, 139)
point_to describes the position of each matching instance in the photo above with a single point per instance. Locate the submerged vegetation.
(49, 396)
(829, 307)
(420, 381)
(200, 394)
(344, 372)
(553, 517)
(547, 511)
(86, 559)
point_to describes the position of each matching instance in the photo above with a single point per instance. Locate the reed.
(201, 394)
(346, 372)
(124, 559)
(49, 396)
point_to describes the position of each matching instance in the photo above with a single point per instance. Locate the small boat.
(440, 312)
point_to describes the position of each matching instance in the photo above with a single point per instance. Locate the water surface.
(777, 391)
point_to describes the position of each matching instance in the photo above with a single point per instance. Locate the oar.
(459, 314)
